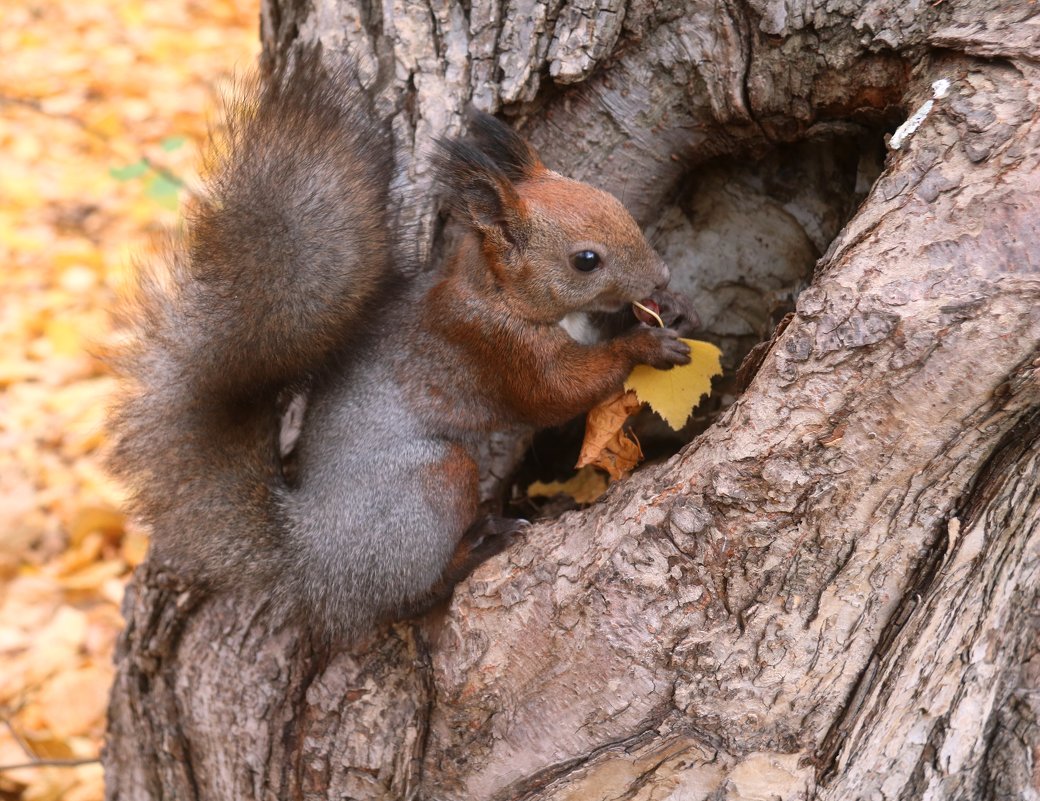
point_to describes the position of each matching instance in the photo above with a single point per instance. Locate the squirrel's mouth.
(615, 303)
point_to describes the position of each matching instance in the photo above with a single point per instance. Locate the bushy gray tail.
(269, 277)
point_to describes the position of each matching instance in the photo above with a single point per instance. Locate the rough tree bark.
(832, 592)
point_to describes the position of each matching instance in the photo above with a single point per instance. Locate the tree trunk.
(832, 592)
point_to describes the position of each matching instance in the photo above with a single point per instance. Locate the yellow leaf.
(109, 523)
(134, 548)
(585, 486)
(674, 393)
(76, 253)
(64, 337)
(108, 124)
(94, 576)
(45, 746)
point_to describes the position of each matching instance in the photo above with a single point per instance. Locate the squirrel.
(286, 282)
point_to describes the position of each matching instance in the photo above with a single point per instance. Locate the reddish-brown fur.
(486, 304)
(269, 295)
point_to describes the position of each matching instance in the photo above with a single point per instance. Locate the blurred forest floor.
(103, 110)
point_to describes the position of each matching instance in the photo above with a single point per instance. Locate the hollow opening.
(742, 239)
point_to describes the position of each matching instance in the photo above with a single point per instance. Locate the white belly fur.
(580, 328)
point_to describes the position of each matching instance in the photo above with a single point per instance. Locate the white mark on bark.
(940, 89)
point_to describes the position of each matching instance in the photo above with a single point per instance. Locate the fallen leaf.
(74, 702)
(50, 784)
(64, 337)
(171, 143)
(584, 487)
(674, 393)
(607, 444)
(57, 645)
(104, 623)
(90, 784)
(106, 522)
(113, 589)
(134, 547)
(47, 746)
(94, 576)
(130, 171)
(81, 555)
(30, 602)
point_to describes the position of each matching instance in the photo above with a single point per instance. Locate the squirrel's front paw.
(660, 348)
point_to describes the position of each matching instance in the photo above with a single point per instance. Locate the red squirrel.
(285, 281)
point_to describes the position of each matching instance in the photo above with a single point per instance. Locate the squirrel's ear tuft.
(504, 146)
(480, 191)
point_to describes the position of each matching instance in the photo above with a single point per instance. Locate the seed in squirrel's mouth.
(646, 311)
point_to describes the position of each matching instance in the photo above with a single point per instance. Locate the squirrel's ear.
(505, 147)
(480, 192)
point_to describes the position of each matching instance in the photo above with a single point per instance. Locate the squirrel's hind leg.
(485, 538)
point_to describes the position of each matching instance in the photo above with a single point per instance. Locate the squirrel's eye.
(586, 260)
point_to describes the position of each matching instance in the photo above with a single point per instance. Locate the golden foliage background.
(103, 111)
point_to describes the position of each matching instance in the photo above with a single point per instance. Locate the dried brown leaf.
(607, 445)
